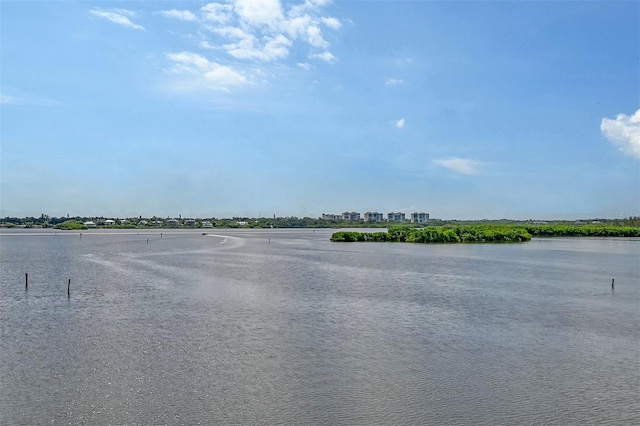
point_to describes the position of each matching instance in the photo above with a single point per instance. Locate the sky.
(461, 109)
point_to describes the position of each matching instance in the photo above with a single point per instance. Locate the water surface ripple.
(285, 327)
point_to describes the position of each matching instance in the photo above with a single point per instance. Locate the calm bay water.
(285, 327)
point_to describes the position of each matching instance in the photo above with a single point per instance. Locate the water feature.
(283, 326)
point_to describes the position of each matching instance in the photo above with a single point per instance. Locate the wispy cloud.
(325, 56)
(394, 82)
(330, 22)
(11, 96)
(399, 123)
(4, 99)
(624, 133)
(183, 15)
(117, 16)
(247, 48)
(196, 72)
(265, 30)
(463, 166)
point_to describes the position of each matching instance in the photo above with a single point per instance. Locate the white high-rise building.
(395, 217)
(419, 217)
(352, 216)
(373, 217)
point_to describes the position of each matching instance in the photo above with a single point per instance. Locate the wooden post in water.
(69, 287)
(26, 281)
(612, 280)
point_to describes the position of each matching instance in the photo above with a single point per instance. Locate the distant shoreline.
(83, 223)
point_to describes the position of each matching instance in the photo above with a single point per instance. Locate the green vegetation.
(486, 233)
(71, 225)
(440, 234)
(583, 231)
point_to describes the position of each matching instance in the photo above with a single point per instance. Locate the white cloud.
(117, 16)
(463, 166)
(265, 30)
(305, 65)
(314, 37)
(400, 123)
(394, 82)
(296, 26)
(217, 13)
(183, 15)
(206, 45)
(273, 48)
(125, 12)
(325, 56)
(624, 133)
(259, 12)
(331, 22)
(198, 72)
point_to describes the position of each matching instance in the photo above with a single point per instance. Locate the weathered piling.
(26, 281)
(69, 287)
(612, 281)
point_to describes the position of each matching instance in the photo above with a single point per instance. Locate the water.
(285, 327)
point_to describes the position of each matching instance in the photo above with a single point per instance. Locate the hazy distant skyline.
(464, 110)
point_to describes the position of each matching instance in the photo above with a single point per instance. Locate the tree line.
(484, 233)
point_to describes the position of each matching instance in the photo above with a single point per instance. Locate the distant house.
(173, 223)
(89, 224)
(143, 223)
(123, 221)
(396, 217)
(207, 224)
(419, 217)
(109, 222)
(190, 222)
(242, 223)
(157, 223)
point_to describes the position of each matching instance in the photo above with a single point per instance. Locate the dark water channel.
(285, 327)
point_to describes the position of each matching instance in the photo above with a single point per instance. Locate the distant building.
(327, 216)
(395, 217)
(419, 217)
(173, 223)
(242, 223)
(351, 216)
(207, 224)
(190, 222)
(143, 223)
(109, 222)
(89, 224)
(373, 217)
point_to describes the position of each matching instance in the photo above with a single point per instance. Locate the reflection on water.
(283, 326)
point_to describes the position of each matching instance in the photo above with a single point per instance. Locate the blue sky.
(464, 110)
